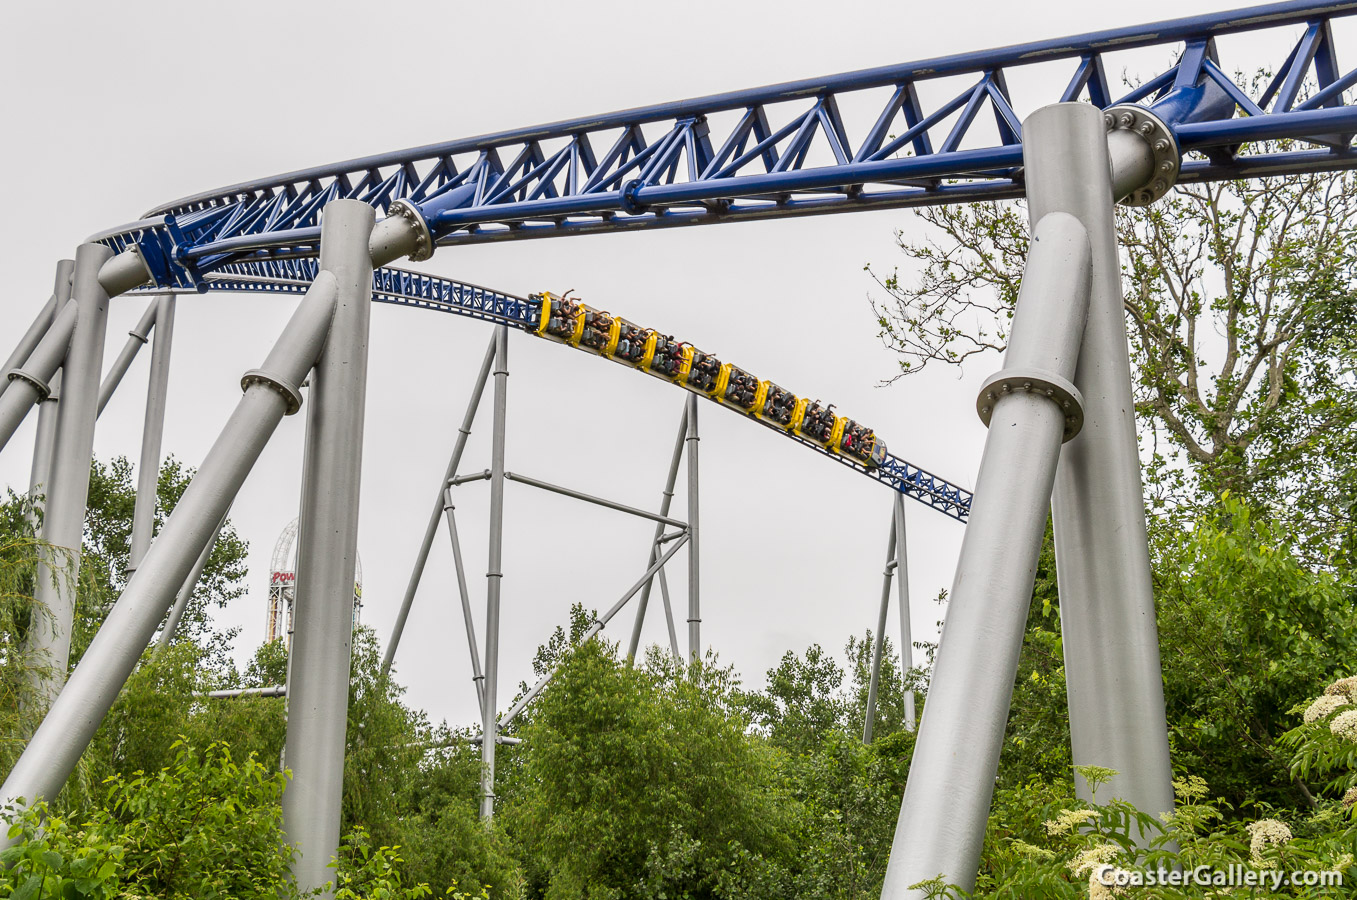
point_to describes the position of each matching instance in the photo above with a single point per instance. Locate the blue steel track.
(404, 288)
(784, 150)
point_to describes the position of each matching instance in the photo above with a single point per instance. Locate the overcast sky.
(111, 109)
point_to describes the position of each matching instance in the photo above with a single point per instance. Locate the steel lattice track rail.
(791, 149)
(404, 288)
(783, 150)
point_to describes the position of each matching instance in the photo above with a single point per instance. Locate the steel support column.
(694, 581)
(136, 339)
(634, 645)
(327, 550)
(464, 595)
(494, 576)
(1107, 617)
(902, 592)
(153, 430)
(269, 393)
(34, 376)
(1030, 407)
(431, 529)
(48, 641)
(36, 330)
(599, 623)
(879, 650)
(43, 441)
(669, 618)
(186, 592)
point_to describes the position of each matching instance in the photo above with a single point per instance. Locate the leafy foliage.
(1256, 633)
(1241, 310)
(641, 771)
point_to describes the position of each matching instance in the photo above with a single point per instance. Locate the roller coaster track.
(788, 150)
(770, 152)
(405, 288)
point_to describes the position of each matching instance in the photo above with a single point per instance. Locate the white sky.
(111, 109)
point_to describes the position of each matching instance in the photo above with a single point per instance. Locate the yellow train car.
(818, 423)
(704, 373)
(780, 406)
(671, 359)
(741, 389)
(634, 344)
(858, 442)
(601, 331)
(561, 320)
(576, 324)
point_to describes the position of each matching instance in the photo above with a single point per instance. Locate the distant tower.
(283, 586)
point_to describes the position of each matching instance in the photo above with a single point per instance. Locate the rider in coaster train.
(629, 343)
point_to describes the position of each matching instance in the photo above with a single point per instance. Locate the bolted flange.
(1150, 128)
(291, 395)
(1039, 382)
(423, 237)
(43, 388)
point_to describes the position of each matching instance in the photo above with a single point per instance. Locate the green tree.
(206, 826)
(1255, 632)
(1241, 308)
(645, 784)
(108, 538)
(890, 689)
(802, 705)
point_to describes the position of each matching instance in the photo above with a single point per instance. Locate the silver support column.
(136, 338)
(48, 642)
(327, 551)
(669, 618)
(878, 651)
(477, 676)
(37, 329)
(186, 593)
(902, 591)
(494, 576)
(1107, 616)
(671, 479)
(1031, 407)
(269, 393)
(45, 439)
(40, 470)
(28, 384)
(599, 623)
(153, 430)
(431, 528)
(596, 501)
(694, 598)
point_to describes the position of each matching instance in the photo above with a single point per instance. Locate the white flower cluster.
(1345, 725)
(1344, 687)
(1263, 833)
(1031, 850)
(1350, 798)
(1099, 891)
(1323, 706)
(1095, 862)
(1062, 823)
(1089, 860)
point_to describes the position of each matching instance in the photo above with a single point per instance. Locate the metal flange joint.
(1167, 160)
(423, 236)
(1038, 382)
(291, 395)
